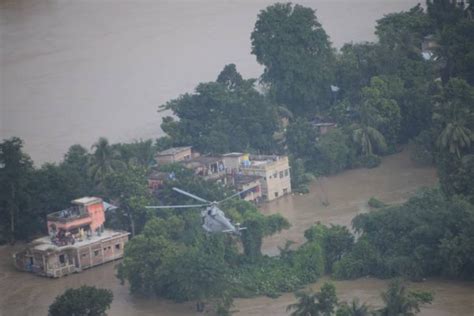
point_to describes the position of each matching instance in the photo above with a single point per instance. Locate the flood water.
(347, 193)
(72, 71)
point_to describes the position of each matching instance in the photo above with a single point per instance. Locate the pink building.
(77, 240)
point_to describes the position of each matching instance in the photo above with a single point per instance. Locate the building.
(248, 183)
(156, 179)
(207, 167)
(321, 126)
(429, 43)
(77, 240)
(174, 154)
(273, 171)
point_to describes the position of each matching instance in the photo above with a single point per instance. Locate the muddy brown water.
(347, 193)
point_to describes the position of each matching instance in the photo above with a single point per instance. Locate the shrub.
(373, 202)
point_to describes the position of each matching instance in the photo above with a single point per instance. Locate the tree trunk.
(132, 224)
(12, 213)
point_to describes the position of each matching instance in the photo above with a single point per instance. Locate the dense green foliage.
(295, 50)
(398, 301)
(226, 115)
(83, 301)
(428, 235)
(321, 303)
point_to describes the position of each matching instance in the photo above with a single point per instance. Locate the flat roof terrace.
(45, 243)
(173, 151)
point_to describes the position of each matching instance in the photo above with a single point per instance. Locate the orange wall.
(96, 212)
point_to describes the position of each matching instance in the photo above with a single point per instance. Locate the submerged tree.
(399, 301)
(355, 308)
(369, 140)
(84, 301)
(314, 304)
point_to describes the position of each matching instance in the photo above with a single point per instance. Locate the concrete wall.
(276, 178)
(184, 154)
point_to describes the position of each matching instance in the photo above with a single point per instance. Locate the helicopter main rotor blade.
(176, 206)
(233, 195)
(191, 195)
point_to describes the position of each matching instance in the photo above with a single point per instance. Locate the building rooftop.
(202, 160)
(323, 124)
(87, 200)
(173, 151)
(233, 155)
(45, 243)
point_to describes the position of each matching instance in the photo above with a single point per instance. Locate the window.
(285, 191)
(286, 173)
(84, 255)
(281, 174)
(276, 194)
(105, 249)
(117, 246)
(275, 174)
(62, 259)
(96, 253)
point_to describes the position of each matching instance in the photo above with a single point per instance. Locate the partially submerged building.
(77, 240)
(248, 183)
(273, 172)
(264, 177)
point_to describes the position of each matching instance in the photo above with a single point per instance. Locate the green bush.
(373, 202)
(332, 152)
(429, 235)
(370, 161)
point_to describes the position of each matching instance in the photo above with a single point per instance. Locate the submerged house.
(272, 171)
(77, 240)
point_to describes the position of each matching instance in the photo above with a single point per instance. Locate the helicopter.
(213, 218)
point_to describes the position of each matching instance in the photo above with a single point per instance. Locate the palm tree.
(367, 139)
(453, 113)
(320, 303)
(306, 306)
(145, 153)
(355, 309)
(400, 302)
(455, 136)
(103, 161)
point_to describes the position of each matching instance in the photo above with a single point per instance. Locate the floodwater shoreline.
(394, 181)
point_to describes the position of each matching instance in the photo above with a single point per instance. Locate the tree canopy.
(295, 50)
(222, 116)
(83, 301)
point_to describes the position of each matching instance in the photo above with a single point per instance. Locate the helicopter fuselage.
(215, 221)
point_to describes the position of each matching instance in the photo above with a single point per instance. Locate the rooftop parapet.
(262, 161)
(68, 215)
